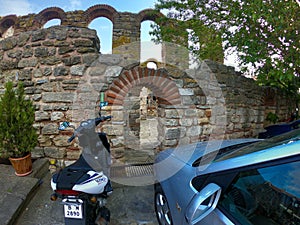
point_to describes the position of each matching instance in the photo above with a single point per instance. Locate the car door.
(263, 194)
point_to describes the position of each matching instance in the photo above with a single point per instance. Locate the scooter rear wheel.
(104, 216)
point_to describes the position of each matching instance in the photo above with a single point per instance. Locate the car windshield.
(267, 143)
(216, 154)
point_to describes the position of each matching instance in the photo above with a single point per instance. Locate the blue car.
(276, 129)
(244, 181)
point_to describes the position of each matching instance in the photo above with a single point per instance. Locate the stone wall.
(51, 63)
(126, 26)
(64, 75)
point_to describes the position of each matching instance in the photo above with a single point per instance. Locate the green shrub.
(17, 134)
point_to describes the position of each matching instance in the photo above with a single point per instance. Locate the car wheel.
(162, 209)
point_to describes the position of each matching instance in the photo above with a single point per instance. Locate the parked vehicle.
(84, 185)
(277, 129)
(246, 182)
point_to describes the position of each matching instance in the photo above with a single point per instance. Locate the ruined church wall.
(52, 62)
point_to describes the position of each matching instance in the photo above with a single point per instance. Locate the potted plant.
(17, 135)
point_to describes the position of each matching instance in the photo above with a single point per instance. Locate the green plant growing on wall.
(272, 117)
(17, 134)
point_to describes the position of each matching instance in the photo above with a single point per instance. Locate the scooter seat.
(73, 174)
(80, 164)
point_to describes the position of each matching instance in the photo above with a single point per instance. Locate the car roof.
(191, 152)
(279, 147)
(279, 140)
(204, 153)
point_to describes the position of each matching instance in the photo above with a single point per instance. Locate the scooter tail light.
(68, 192)
(53, 197)
(93, 199)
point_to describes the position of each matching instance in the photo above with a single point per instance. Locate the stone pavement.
(16, 192)
(26, 200)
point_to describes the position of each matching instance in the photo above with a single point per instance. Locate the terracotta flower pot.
(22, 166)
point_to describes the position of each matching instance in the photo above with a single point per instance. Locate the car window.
(215, 155)
(265, 144)
(268, 196)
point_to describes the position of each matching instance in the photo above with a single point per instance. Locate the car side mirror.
(203, 203)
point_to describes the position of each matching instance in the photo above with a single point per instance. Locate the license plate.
(73, 210)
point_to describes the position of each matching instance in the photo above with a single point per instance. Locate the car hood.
(188, 154)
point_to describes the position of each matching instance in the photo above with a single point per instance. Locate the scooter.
(84, 190)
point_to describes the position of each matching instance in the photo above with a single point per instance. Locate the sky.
(23, 7)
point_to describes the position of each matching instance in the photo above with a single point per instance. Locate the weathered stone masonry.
(126, 26)
(59, 63)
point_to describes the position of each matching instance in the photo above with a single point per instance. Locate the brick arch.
(157, 80)
(48, 14)
(149, 14)
(7, 22)
(100, 11)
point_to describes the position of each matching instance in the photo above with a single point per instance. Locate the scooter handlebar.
(97, 122)
(71, 138)
(102, 119)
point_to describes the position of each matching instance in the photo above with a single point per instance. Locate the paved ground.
(26, 201)
(15, 192)
(128, 205)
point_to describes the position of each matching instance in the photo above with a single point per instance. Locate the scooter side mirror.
(102, 104)
(63, 125)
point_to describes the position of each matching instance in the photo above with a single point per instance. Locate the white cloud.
(75, 4)
(18, 7)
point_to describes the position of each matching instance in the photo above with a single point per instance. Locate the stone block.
(113, 71)
(51, 97)
(77, 70)
(173, 113)
(53, 152)
(50, 129)
(38, 35)
(41, 52)
(169, 143)
(191, 112)
(15, 54)
(51, 60)
(61, 141)
(117, 142)
(168, 122)
(37, 73)
(186, 91)
(172, 133)
(8, 43)
(57, 32)
(83, 43)
(44, 141)
(56, 116)
(90, 59)
(186, 121)
(37, 152)
(73, 60)
(8, 64)
(203, 120)
(110, 59)
(60, 71)
(23, 39)
(41, 115)
(193, 131)
(73, 155)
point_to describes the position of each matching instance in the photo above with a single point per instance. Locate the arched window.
(104, 28)
(8, 33)
(53, 22)
(149, 49)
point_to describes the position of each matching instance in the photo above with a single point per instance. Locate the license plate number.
(73, 211)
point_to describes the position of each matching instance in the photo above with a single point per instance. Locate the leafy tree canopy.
(264, 33)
